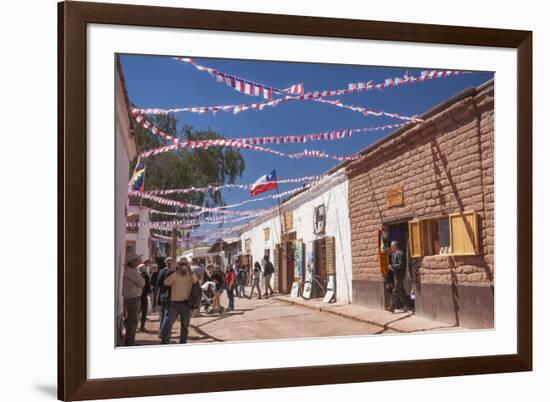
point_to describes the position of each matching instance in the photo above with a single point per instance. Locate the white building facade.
(137, 238)
(318, 219)
(125, 151)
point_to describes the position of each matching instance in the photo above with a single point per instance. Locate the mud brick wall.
(445, 165)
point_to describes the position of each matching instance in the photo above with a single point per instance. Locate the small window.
(443, 233)
(134, 219)
(456, 234)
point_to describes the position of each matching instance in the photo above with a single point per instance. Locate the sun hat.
(131, 256)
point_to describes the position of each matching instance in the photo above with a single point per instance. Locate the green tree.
(186, 167)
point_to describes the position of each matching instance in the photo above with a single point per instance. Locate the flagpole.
(284, 251)
(279, 204)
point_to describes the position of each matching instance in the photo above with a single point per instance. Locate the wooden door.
(289, 266)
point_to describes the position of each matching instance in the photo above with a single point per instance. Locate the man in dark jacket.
(154, 285)
(164, 291)
(398, 267)
(142, 268)
(268, 272)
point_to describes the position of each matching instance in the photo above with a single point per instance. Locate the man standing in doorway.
(398, 267)
(268, 272)
(164, 291)
(132, 287)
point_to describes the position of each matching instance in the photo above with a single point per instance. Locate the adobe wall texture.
(445, 165)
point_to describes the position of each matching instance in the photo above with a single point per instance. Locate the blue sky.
(158, 81)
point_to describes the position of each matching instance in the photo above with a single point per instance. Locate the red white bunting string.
(242, 85)
(180, 204)
(271, 196)
(208, 233)
(193, 222)
(239, 204)
(237, 144)
(191, 214)
(352, 88)
(367, 112)
(239, 186)
(186, 240)
(260, 106)
(283, 139)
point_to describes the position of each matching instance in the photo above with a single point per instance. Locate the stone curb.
(340, 314)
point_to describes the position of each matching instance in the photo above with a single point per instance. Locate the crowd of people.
(181, 288)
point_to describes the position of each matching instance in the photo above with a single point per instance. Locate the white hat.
(142, 268)
(131, 256)
(168, 259)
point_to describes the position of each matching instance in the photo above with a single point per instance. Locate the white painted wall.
(142, 236)
(259, 244)
(125, 150)
(333, 192)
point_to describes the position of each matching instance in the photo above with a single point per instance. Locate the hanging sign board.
(394, 196)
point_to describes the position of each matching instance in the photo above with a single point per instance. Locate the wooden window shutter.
(464, 233)
(288, 223)
(329, 255)
(415, 238)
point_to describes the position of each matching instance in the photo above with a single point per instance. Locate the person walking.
(242, 278)
(164, 291)
(180, 284)
(256, 274)
(397, 267)
(132, 288)
(219, 279)
(268, 272)
(230, 284)
(142, 268)
(154, 285)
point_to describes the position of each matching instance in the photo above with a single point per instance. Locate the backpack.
(195, 296)
(241, 275)
(269, 269)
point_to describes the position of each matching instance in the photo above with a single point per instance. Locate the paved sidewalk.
(404, 322)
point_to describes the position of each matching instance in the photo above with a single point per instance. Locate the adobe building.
(430, 186)
(315, 232)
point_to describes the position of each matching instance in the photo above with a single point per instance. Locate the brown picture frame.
(73, 383)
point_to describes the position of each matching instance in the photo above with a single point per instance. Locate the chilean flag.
(265, 183)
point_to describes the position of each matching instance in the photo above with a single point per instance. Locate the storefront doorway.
(285, 266)
(398, 231)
